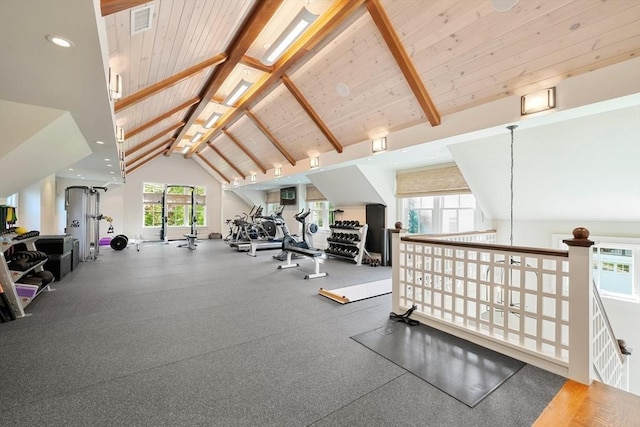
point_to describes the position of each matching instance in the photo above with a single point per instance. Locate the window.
(616, 265)
(615, 269)
(152, 204)
(178, 205)
(319, 213)
(272, 207)
(439, 214)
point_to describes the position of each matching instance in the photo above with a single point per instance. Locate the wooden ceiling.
(364, 68)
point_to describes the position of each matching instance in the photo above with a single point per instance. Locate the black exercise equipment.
(119, 242)
(289, 246)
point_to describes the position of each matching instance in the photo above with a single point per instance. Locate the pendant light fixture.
(511, 129)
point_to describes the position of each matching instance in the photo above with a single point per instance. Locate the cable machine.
(165, 211)
(83, 219)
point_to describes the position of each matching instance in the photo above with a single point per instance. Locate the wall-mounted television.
(288, 196)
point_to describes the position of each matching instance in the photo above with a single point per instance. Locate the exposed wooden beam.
(403, 60)
(252, 62)
(161, 118)
(256, 121)
(154, 148)
(256, 20)
(154, 137)
(245, 150)
(311, 112)
(176, 78)
(204, 159)
(108, 7)
(144, 162)
(226, 159)
(339, 11)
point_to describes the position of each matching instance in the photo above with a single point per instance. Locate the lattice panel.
(607, 359)
(516, 297)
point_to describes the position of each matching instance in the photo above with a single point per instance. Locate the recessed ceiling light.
(342, 89)
(99, 142)
(112, 172)
(107, 160)
(109, 165)
(70, 169)
(79, 174)
(59, 41)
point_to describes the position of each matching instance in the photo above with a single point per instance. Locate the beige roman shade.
(430, 182)
(273, 196)
(152, 198)
(314, 195)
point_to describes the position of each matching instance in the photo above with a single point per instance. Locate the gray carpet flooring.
(170, 336)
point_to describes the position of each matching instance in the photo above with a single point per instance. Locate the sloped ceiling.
(585, 168)
(347, 186)
(36, 72)
(37, 142)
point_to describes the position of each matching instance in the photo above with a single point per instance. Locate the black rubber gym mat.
(462, 369)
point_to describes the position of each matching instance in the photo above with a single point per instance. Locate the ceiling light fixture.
(379, 144)
(252, 178)
(277, 171)
(237, 92)
(119, 134)
(212, 120)
(535, 102)
(185, 150)
(300, 23)
(115, 85)
(196, 137)
(59, 41)
(503, 5)
(314, 162)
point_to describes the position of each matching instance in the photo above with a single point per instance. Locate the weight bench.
(191, 241)
(309, 253)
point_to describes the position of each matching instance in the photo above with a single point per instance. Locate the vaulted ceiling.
(362, 69)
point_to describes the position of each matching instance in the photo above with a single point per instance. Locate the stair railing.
(608, 360)
(534, 304)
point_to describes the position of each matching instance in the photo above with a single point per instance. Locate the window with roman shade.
(445, 179)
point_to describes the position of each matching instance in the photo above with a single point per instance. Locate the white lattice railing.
(515, 300)
(608, 360)
(488, 236)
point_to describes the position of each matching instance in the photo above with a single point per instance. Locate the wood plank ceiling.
(362, 69)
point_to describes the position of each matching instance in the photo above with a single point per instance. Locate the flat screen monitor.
(288, 196)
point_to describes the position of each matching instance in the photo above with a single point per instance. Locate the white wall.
(538, 233)
(125, 204)
(48, 213)
(37, 206)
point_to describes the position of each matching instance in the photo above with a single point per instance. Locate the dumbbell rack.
(8, 278)
(350, 239)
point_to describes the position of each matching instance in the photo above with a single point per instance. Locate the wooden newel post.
(580, 306)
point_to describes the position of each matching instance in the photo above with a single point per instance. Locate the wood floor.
(578, 405)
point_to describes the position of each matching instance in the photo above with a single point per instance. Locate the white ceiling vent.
(141, 19)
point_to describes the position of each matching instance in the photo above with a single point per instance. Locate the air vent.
(141, 19)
